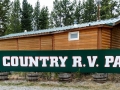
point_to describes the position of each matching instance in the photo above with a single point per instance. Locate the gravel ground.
(34, 88)
(50, 85)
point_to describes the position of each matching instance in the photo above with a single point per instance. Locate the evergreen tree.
(89, 11)
(56, 14)
(113, 8)
(44, 18)
(63, 12)
(68, 12)
(4, 12)
(107, 9)
(118, 9)
(27, 17)
(78, 12)
(51, 23)
(37, 15)
(15, 23)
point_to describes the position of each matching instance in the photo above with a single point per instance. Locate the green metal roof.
(110, 22)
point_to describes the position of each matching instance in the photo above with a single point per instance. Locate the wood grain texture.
(106, 38)
(30, 43)
(46, 42)
(115, 42)
(10, 44)
(87, 40)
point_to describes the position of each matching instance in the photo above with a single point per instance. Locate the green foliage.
(36, 16)
(63, 12)
(56, 14)
(118, 8)
(27, 17)
(4, 13)
(51, 23)
(14, 25)
(108, 9)
(44, 18)
(41, 17)
(77, 74)
(13, 19)
(113, 9)
(89, 11)
(78, 12)
(67, 12)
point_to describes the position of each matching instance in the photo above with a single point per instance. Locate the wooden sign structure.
(86, 61)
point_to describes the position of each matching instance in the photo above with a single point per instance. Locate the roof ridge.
(111, 21)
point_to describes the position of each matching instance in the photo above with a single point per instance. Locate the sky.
(48, 3)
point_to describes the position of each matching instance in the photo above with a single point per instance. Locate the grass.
(76, 85)
(84, 83)
(87, 85)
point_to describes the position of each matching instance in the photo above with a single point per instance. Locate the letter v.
(91, 61)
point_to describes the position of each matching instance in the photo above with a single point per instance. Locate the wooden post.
(99, 38)
(17, 44)
(53, 46)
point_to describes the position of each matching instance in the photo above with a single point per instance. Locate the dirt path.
(50, 85)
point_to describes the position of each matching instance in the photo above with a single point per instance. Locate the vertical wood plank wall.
(87, 40)
(115, 44)
(10, 44)
(106, 38)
